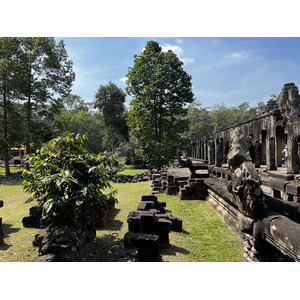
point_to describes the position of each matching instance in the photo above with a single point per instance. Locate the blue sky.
(230, 70)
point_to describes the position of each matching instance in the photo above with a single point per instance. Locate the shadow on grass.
(173, 250)
(113, 224)
(11, 182)
(106, 248)
(7, 230)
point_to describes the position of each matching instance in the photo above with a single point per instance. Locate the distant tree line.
(204, 121)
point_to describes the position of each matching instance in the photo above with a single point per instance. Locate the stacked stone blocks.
(149, 229)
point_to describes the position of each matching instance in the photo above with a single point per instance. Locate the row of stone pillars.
(292, 158)
(216, 154)
(210, 151)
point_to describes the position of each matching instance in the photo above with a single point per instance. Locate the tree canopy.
(110, 100)
(161, 90)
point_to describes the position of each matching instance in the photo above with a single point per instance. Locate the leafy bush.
(71, 179)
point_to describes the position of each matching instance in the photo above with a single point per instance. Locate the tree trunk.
(5, 127)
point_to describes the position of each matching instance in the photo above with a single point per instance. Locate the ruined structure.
(278, 126)
(246, 180)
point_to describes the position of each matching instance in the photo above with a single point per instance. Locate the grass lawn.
(204, 238)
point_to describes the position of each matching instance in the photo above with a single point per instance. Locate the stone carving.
(289, 99)
(245, 181)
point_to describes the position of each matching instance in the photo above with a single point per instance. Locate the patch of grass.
(204, 238)
(17, 239)
(12, 170)
(130, 170)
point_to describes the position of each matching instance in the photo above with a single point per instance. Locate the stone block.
(31, 222)
(148, 245)
(146, 205)
(45, 258)
(293, 189)
(149, 198)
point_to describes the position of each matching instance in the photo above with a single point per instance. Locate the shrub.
(71, 179)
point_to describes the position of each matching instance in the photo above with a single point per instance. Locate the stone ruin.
(143, 176)
(67, 243)
(148, 231)
(1, 230)
(246, 181)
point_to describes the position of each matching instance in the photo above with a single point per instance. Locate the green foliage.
(205, 121)
(46, 72)
(110, 100)
(77, 116)
(161, 90)
(72, 179)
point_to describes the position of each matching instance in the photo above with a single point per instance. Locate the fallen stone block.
(148, 245)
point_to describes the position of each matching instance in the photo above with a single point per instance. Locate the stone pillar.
(205, 150)
(293, 159)
(224, 159)
(257, 147)
(211, 153)
(201, 150)
(218, 154)
(271, 154)
(198, 149)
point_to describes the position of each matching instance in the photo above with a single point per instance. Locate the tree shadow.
(113, 224)
(173, 250)
(11, 182)
(7, 230)
(106, 248)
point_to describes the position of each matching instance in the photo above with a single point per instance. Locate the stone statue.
(245, 181)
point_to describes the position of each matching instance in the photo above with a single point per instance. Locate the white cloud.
(176, 49)
(179, 41)
(123, 79)
(238, 55)
(180, 53)
(188, 60)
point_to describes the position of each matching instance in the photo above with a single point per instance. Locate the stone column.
(293, 159)
(257, 148)
(271, 165)
(224, 159)
(201, 150)
(218, 154)
(211, 153)
(198, 149)
(205, 150)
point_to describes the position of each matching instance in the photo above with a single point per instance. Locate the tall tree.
(8, 80)
(161, 90)
(47, 72)
(110, 100)
(200, 121)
